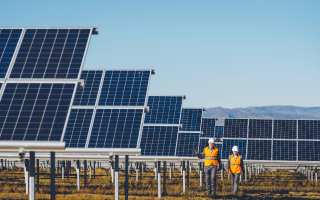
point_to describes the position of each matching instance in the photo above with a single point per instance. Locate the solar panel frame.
(284, 150)
(238, 128)
(259, 145)
(195, 126)
(260, 128)
(280, 131)
(309, 129)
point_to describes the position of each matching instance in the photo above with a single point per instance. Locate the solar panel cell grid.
(163, 110)
(229, 143)
(191, 119)
(187, 144)
(259, 150)
(8, 42)
(308, 150)
(284, 150)
(116, 128)
(309, 129)
(78, 127)
(285, 129)
(260, 128)
(235, 128)
(87, 96)
(159, 140)
(218, 131)
(124, 88)
(51, 53)
(208, 127)
(34, 111)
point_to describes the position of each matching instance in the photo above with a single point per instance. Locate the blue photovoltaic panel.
(187, 144)
(260, 128)
(235, 128)
(284, 150)
(285, 129)
(163, 110)
(191, 119)
(208, 127)
(87, 96)
(8, 42)
(51, 53)
(34, 111)
(308, 150)
(204, 143)
(309, 129)
(116, 128)
(124, 88)
(158, 140)
(218, 132)
(229, 143)
(78, 127)
(259, 150)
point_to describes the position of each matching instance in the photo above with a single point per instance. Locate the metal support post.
(112, 171)
(137, 172)
(245, 173)
(126, 182)
(78, 175)
(94, 169)
(32, 190)
(188, 166)
(200, 171)
(184, 175)
(170, 170)
(53, 175)
(159, 179)
(116, 186)
(85, 173)
(164, 177)
(62, 169)
(37, 175)
(26, 163)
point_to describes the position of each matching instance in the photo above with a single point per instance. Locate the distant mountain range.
(264, 112)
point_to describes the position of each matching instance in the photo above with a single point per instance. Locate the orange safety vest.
(210, 158)
(235, 164)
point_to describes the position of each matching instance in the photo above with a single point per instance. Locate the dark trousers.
(235, 182)
(211, 172)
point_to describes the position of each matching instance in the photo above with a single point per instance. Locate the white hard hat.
(211, 140)
(235, 148)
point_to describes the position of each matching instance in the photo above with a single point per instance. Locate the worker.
(212, 163)
(235, 167)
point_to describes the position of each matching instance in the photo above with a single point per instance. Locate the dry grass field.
(276, 185)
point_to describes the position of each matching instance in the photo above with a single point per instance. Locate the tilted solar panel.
(309, 129)
(164, 110)
(308, 150)
(159, 140)
(51, 53)
(260, 128)
(187, 144)
(285, 129)
(229, 143)
(218, 132)
(35, 111)
(116, 128)
(208, 127)
(87, 96)
(9, 39)
(78, 127)
(191, 119)
(125, 88)
(259, 150)
(284, 150)
(235, 128)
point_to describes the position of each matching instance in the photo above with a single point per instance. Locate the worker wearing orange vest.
(235, 168)
(212, 163)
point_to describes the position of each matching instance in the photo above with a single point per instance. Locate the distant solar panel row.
(9, 39)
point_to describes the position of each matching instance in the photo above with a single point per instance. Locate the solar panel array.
(273, 139)
(111, 126)
(36, 98)
(161, 126)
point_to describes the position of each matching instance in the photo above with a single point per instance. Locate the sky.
(217, 53)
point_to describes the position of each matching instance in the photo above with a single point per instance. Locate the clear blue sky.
(217, 53)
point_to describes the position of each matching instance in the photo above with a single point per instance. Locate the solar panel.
(125, 88)
(116, 128)
(187, 144)
(51, 53)
(235, 128)
(260, 128)
(191, 119)
(309, 129)
(9, 39)
(308, 150)
(208, 127)
(229, 143)
(164, 110)
(78, 127)
(204, 143)
(159, 140)
(35, 111)
(284, 150)
(218, 132)
(87, 96)
(285, 129)
(259, 150)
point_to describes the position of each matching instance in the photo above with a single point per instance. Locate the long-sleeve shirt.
(241, 163)
(202, 155)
